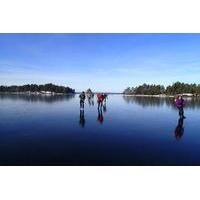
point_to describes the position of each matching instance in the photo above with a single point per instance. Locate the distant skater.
(179, 101)
(89, 101)
(90, 98)
(104, 102)
(105, 97)
(82, 100)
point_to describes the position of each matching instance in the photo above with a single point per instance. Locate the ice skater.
(82, 100)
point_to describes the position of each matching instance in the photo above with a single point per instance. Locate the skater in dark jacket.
(82, 100)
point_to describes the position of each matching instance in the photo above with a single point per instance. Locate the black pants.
(100, 104)
(81, 103)
(181, 111)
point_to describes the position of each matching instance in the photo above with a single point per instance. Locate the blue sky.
(102, 62)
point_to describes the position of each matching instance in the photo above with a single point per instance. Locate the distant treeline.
(37, 88)
(176, 88)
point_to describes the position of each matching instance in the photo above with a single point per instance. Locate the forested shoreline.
(174, 89)
(34, 88)
(144, 89)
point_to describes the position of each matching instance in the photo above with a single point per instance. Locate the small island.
(178, 88)
(37, 89)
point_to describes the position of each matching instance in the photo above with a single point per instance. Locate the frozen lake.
(49, 130)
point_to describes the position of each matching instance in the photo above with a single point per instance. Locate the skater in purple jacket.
(179, 101)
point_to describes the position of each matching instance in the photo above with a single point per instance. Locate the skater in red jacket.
(100, 98)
